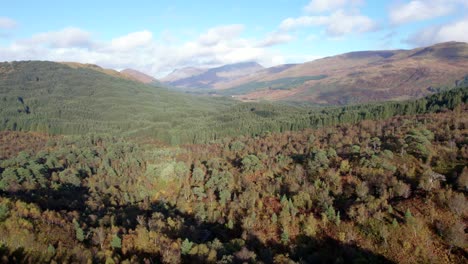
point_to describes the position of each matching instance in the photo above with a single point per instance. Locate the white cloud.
(132, 41)
(337, 24)
(418, 10)
(342, 24)
(65, 38)
(217, 34)
(455, 31)
(319, 6)
(304, 21)
(7, 23)
(141, 50)
(221, 45)
(275, 39)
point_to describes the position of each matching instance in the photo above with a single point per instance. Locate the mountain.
(129, 74)
(212, 78)
(58, 99)
(138, 76)
(357, 77)
(94, 67)
(183, 73)
(69, 98)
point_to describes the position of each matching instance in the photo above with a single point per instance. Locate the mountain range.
(194, 78)
(59, 98)
(354, 77)
(350, 78)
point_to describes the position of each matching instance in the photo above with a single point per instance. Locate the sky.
(156, 37)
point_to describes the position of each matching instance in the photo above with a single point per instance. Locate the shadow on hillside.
(308, 250)
(12, 256)
(67, 197)
(329, 250)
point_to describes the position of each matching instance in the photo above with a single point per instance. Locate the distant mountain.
(183, 73)
(139, 76)
(211, 78)
(357, 77)
(59, 99)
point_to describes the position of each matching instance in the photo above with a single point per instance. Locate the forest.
(54, 98)
(251, 183)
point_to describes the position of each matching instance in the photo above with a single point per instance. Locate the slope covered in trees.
(253, 182)
(57, 99)
(379, 191)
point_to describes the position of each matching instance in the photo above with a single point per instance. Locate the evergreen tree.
(116, 242)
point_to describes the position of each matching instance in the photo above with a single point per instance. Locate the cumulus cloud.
(418, 10)
(221, 45)
(303, 21)
(131, 41)
(7, 23)
(217, 34)
(318, 6)
(143, 51)
(65, 38)
(455, 31)
(276, 39)
(337, 24)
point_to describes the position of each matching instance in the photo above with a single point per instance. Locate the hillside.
(59, 99)
(129, 74)
(139, 76)
(367, 183)
(234, 132)
(358, 77)
(386, 191)
(94, 67)
(211, 78)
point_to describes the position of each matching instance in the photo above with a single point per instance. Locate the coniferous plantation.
(57, 99)
(95, 168)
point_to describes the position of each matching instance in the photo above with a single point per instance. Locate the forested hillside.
(378, 191)
(87, 174)
(234, 132)
(57, 99)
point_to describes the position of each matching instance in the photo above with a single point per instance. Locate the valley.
(356, 77)
(355, 158)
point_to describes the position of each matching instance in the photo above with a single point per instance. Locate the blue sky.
(159, 36)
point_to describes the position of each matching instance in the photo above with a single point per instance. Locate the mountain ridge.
(361, 76)
(213, 77)
(58, 99)
(182, 73)
(349, 78)
(139, 76)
